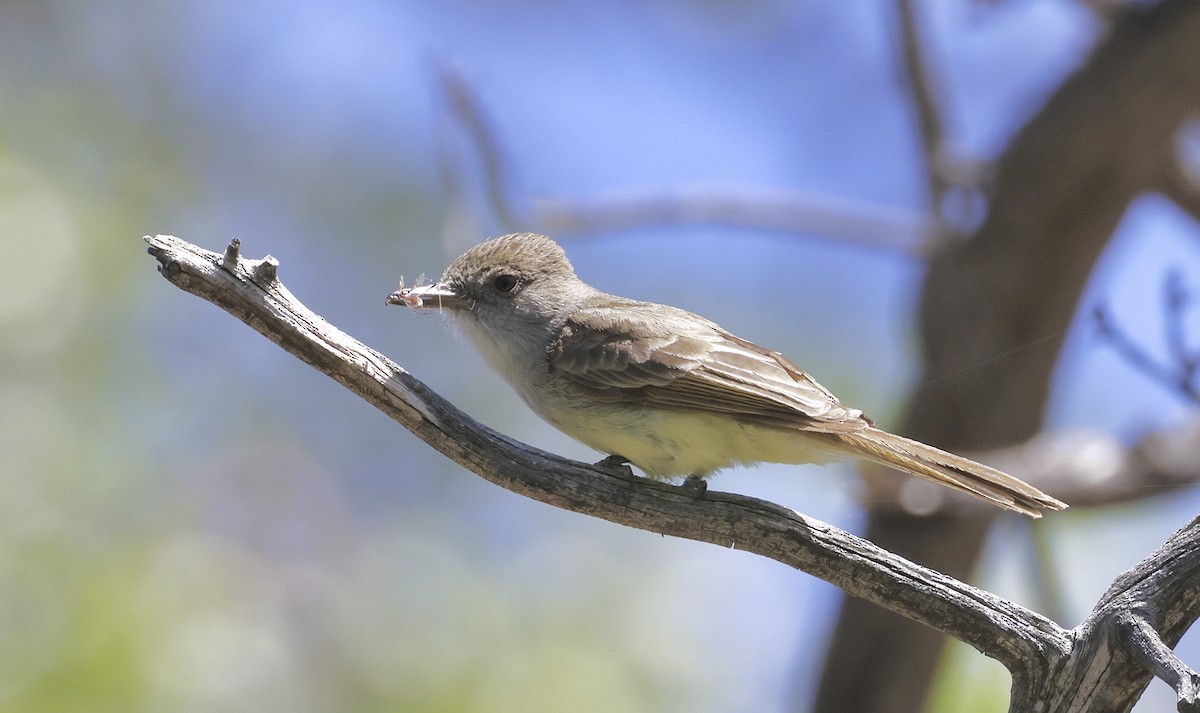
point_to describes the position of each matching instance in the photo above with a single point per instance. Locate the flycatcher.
(662, 388)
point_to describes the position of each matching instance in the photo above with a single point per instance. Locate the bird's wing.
(669, 358)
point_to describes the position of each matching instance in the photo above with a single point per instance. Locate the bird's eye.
(505, 283)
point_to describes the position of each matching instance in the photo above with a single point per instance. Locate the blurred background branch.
(1178, 370)
(923, 89)
(1180, 180)
(787, 211)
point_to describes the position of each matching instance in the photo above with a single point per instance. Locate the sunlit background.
(193, 520)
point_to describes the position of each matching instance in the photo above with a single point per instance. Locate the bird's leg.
(695, 485)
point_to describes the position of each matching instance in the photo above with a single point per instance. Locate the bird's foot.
(616, 463)
(695, 485)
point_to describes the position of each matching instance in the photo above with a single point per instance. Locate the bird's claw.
(695, 485)
(616, 463)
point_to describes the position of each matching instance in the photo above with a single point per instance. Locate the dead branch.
(251, 291)
(1101, 666)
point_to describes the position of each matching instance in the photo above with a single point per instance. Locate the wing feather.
(673, 359)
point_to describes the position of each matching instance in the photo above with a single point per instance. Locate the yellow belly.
(671, 443)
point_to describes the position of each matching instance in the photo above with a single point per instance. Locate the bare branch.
(1093, 468)
(1158, 658)
(956, 199)
(497, 177)
(1129, 635)
(998, 628)
(923, 87)
(1084, 467)
(1179, 376)
(1176, 300)
(873, 226)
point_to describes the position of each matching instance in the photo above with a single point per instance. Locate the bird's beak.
(436, 295)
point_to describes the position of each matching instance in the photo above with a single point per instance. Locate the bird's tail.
(960, 473)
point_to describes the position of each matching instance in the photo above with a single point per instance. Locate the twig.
(878, 227)
(1176, 300)
(1179, 376)
(497, 178)
(923, 87)
(1148, 648)
(954, 196)
(865, 225)
(1089, 468)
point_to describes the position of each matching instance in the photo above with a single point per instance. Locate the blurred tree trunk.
(1059, 191)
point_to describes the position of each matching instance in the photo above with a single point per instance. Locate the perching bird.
(664, 389)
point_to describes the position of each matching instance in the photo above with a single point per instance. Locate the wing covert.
(701, 367)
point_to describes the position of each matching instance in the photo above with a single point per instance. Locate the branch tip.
(1178, 372)
(232, 252)
(265, 269)
(1148, 648)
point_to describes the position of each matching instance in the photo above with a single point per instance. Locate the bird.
(664, 389)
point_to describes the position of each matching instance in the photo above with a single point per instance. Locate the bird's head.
(519, 282)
